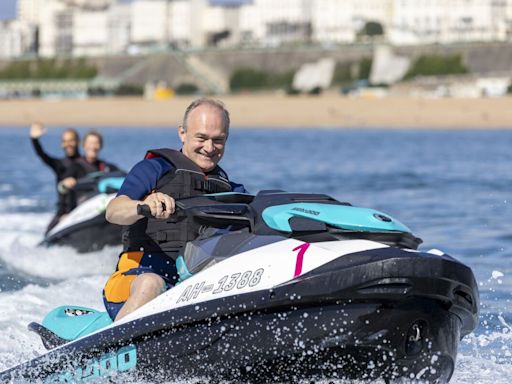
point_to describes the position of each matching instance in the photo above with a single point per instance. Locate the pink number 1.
(300, 257)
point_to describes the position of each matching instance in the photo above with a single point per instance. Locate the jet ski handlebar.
(217, 215)
(145, 210)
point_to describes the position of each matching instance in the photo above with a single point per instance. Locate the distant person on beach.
(147, 266)
(69, 143)
(85, 165)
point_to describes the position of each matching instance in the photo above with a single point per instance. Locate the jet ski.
(277, 287)
(85, 227)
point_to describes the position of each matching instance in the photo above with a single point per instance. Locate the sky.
(7, 9)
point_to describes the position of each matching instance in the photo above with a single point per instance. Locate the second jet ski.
(85, 227)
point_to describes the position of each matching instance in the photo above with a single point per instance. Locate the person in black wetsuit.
(69, 143)
(83, 166)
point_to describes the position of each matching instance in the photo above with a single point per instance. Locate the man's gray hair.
(212, 102)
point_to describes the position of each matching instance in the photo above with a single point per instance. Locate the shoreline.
(269, 111)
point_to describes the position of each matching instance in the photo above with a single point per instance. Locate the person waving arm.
(37, 130)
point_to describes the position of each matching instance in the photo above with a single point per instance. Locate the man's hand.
(65, 185)
(69, 182)
(37, 130)
(123, 211)
(155, 201)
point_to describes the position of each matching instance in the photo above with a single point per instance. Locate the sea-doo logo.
(106, 365)
(308, 211)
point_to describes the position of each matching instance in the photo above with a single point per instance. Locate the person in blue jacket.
(147, 266)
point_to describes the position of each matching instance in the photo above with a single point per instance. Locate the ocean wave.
(32, 303)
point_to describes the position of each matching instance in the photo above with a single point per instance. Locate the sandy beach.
(329, 110)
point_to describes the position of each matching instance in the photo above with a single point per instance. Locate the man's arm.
(123, 211)
(36, 131)
(137, 189)
(68, 179)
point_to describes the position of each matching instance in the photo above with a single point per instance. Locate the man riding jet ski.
(277, 286)
(85, 227)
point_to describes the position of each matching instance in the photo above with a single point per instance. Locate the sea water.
(452, 188)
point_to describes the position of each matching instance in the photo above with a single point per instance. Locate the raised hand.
(37, 130)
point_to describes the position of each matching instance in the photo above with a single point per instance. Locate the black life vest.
(186, 179)
(98, 166)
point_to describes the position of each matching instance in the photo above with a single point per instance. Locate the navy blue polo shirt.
(144, 176)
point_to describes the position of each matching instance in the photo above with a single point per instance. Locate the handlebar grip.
(144, 210)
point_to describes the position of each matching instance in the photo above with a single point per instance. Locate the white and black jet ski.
(85, 227)
(278, 286)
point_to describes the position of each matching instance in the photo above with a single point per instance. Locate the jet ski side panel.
(254, 270)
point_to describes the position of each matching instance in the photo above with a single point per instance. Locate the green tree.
(186, 89)
(371, 29)
(254, 79)
(342, 74)
(45, 69)
(129, 90)
(247, 78)
(434, 65)
(365, 67)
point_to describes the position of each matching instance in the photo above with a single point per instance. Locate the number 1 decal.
(300, 258)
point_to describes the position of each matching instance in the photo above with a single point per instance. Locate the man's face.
(69, 143)
(205, 138)
(92, 147)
